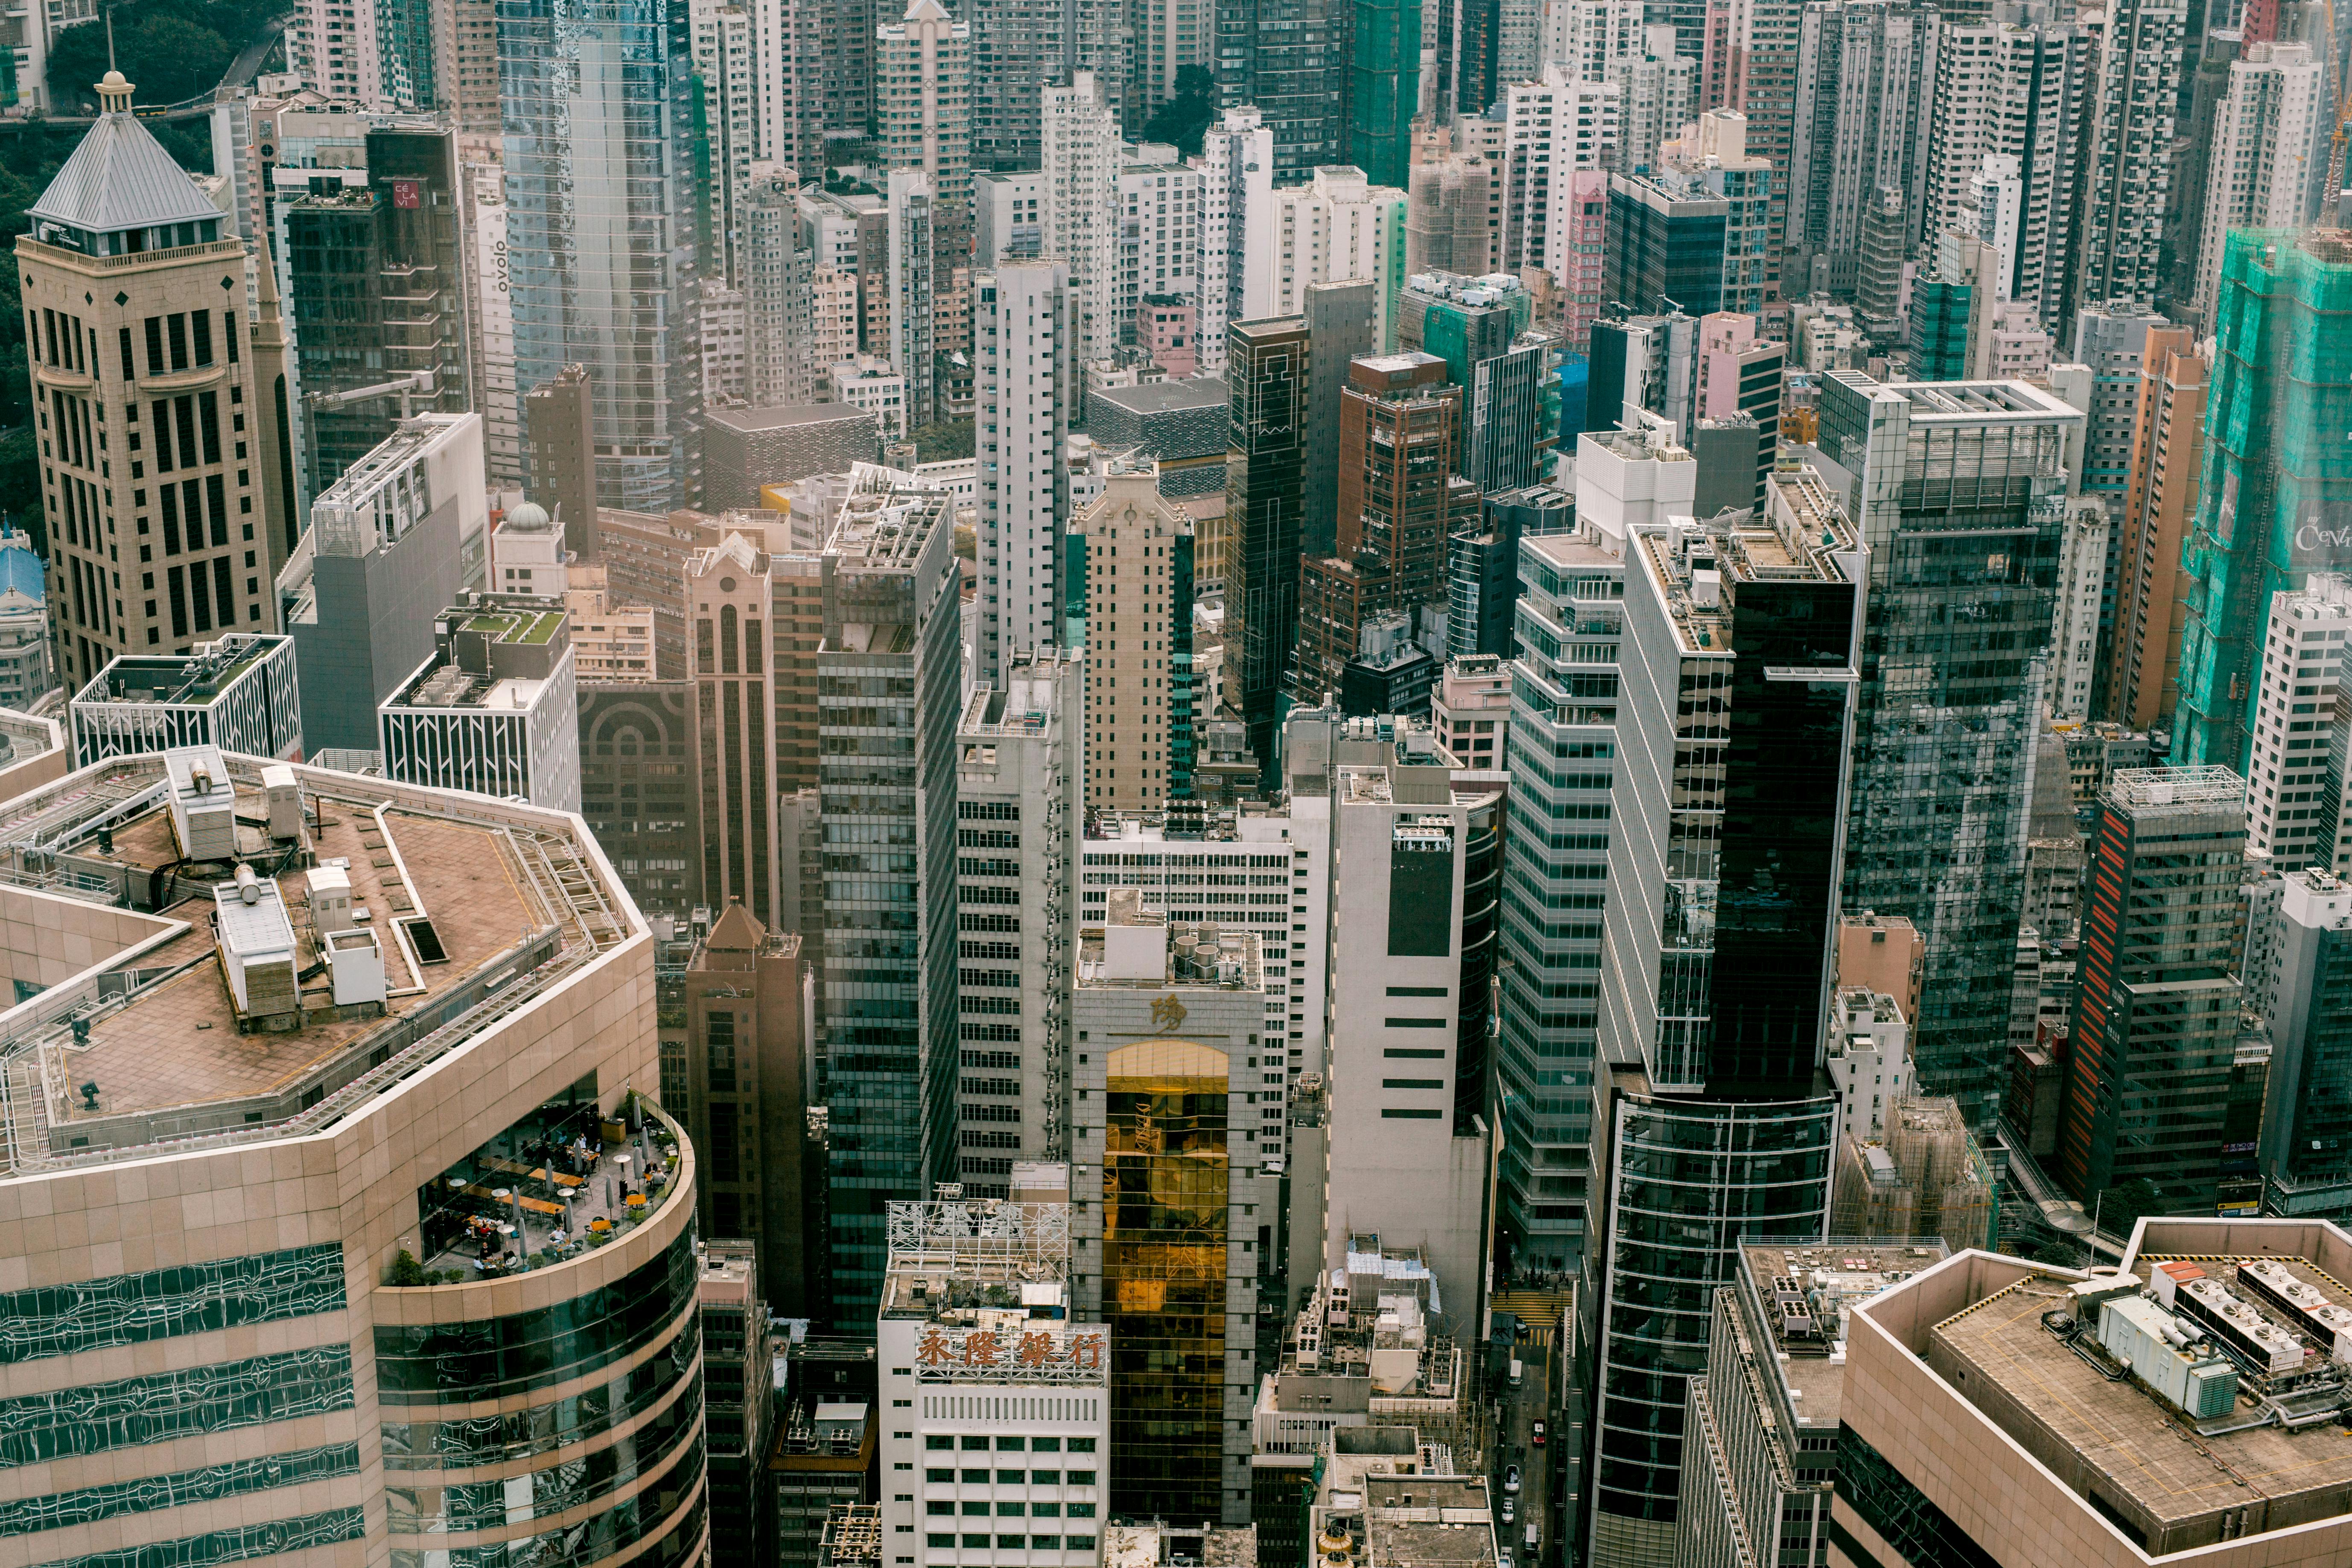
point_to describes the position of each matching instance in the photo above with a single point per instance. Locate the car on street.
(1511, 1509)
(1511, 1480)
(1540, 1435)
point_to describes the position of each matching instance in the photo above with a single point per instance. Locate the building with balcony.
(376, 1231)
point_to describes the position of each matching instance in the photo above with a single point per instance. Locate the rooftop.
(118, 177)
(1165, 396)
(1158, 1545)
(204, 1012)
(173, 680)
(1803, 1295)
(747, 420)
(2174, 1479)
(1137, 948)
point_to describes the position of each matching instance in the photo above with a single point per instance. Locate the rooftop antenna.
(110, 41)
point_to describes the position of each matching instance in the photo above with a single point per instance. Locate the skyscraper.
(1139, 707)
(1020, 47)
(1861, 122)
(889, 688)
(602, 264)
(377, 292)
(1954, 673)
(1285, 59)
(2297, 788)
(226, 1418)
(2159, 500)
(1268, 373)
(2128, 170)
(1558, 125)
(1236, 222)
(207, 502)
(1078, 133)
(1716, 977)
(1025, 329)
(2277, 473)
(1343, 321)
(1018, 820)
(1383, 65)
(922, 115)
(2156, 1005)
(2266, 155)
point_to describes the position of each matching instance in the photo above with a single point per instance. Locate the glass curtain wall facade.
(1563, 745)
(1165, 1194)
(1265, 485)
(597, 102)
(1959, 490)
(887, 721)
(1692, 1181)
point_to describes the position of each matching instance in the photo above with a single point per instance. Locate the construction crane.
(2332, 191)
(407, 388)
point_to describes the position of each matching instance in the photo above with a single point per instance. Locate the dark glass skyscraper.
(1738, 678)
(1266, 367)
(1287, 59)
(375, 291)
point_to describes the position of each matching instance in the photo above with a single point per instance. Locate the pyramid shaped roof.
(737, 931)
(119, 178)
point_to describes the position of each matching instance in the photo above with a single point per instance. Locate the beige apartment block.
(1133, 603)
(374, 1261)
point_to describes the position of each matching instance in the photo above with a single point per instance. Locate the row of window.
(130, 1308)
(266, 1539)
(1013, 1542)
(982, 1478)
(947, 1509)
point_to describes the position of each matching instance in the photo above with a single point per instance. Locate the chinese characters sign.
(1064, 1353)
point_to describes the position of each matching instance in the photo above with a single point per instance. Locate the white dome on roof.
(529, 518)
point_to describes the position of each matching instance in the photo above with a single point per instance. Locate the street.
(1522, 1407)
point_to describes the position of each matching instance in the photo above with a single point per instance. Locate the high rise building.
(912, 290)
(415, 1145)
(747, 449)
(1760, 1439)
(1170, 1248)
(122, 276)
(1564, 708)
(1409, 1128)
(603, 275)
(490, 304)
(2142, 685)
(2297, 798)
(1022, 48)
(2156, 1004)
(738, 1378)
(1716, 984)
(1236, 223)
(998, 1407)
(384, 556)
(237, 695)
(1025, 332)
(735, 1070)
(2305, 1159)
(375, 294)
(2110, 346)
(1400, 435)
(1288, 62)
(1019, 758)
(1383, 66)
(1948, 701)
(1452, 223)
(2136, 67)
(778, 279)
(1336, 228)
(889, 689)
(1139, 714)
(1343, 323)
(1267, 373)
(2274, 467)
(1482, 568)
(1861, 124)
(1557, 124)
(493, 708)
(560, 441)
(1737, 375)
(2015, 89)
(2266, 155)
(1657, 90)
(1160, 217)
(1079, 132)
(637, 790)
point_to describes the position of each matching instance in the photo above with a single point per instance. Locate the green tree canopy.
(1186, 118)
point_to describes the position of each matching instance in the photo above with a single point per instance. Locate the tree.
(1186, 118)
(20, 485)
(171, 50)
(942, 443)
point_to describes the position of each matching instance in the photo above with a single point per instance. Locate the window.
(938, 1442)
